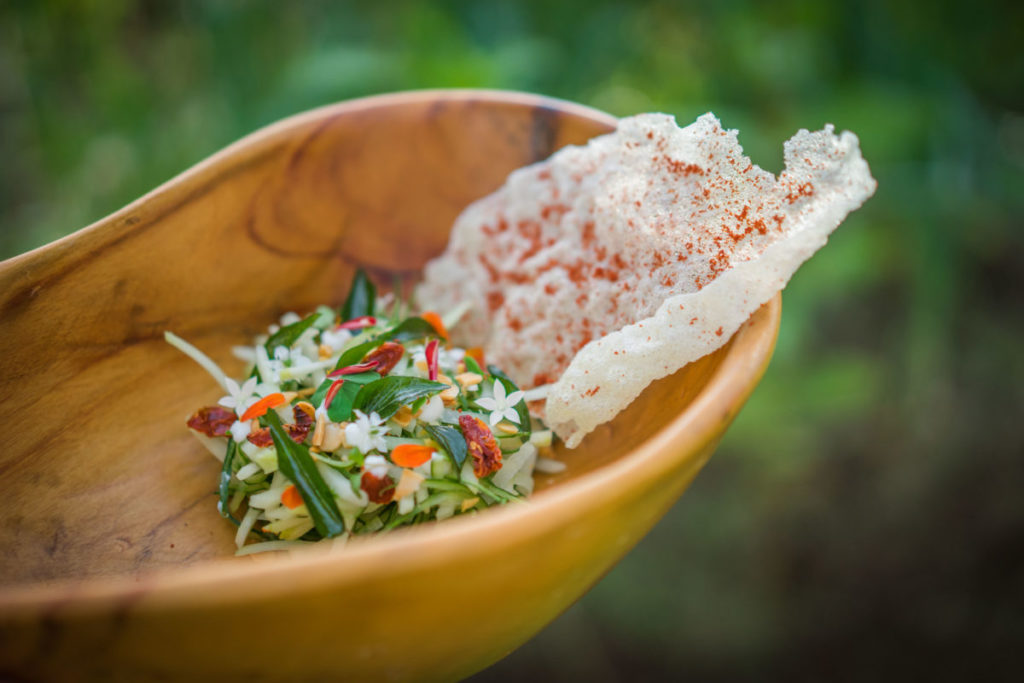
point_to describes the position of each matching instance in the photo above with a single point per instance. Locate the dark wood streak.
(300, 150)
(544, 124)
(151, 534)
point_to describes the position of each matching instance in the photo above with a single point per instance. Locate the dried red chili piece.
(298, 433)
(351, 370)
(212, 420)
(378, 489)
(386, 356)
(482, 446)
(261, 437)
(304, 413)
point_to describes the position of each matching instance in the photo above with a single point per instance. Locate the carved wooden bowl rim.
(233, 582)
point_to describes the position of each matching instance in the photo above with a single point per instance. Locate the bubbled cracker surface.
(611, 265)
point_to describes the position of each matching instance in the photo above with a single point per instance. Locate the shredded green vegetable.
(361, 420)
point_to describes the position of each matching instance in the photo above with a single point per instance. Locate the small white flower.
(297, 358)
(367, 432)
(335, 338)
(501, 406)
(240, 430)
(375, 465)
(240, 397)
(274, 368)
(281, 353)
(449, 359)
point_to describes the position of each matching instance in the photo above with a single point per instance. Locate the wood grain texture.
(111, 542)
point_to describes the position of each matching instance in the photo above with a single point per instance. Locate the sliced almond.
(409, 483)
(506, 427)
(307, 408)
(325, 352)
(448, 396)
(468, 503)
(318, 431)
(468, 379)
(421, 365)
(334, 437)
(403, 416)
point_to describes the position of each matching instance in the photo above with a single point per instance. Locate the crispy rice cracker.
(616, 263)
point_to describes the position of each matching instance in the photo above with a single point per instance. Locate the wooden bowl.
(116, 564)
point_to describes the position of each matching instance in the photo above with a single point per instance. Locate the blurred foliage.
(863, 518)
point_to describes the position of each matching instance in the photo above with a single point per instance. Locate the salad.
(362, 420)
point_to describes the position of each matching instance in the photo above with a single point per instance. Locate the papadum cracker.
(613, 264)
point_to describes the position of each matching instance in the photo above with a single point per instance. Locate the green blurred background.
(864, 518)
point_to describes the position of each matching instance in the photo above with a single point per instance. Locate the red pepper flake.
(805, 190)
(352, 370)
(588, 233)
(682, 168)
(212, 420)
(543, 378)
(386, 356)
(482, 446)
(591, 392)
(380, 490)
(495, 300)
(358, 323)
(431, 353)
(332, 391)
(553, 209)
(719, 331)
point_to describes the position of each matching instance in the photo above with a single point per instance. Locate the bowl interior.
(102, 476)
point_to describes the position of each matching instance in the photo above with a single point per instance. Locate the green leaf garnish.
(410, 328)
(341, 407)
(388, 394)
(450, 439)
(473, 366)
(525, 428)
(289, 334)
(358, 378)
(362, 297)
(296, 463)
(225, 478)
